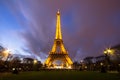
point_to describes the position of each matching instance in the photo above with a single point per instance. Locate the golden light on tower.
(58, 51)
(58, 34)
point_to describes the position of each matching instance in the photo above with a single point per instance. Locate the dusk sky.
(27, 27)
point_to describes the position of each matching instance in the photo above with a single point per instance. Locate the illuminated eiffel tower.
(58, 51)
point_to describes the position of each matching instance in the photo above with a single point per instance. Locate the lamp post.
(35, 64)
(108, 52)
(107, 55)
(6, 53)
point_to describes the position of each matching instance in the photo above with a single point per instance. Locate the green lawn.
(60, 75)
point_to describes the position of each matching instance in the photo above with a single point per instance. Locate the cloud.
(88, 26)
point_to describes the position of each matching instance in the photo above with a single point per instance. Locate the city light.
(5, 54)
(101, 63)
(109, 51)
(69, 67)
(58, 67)
(35, 61)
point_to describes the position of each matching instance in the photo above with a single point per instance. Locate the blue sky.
(88, 26)
(10, 29)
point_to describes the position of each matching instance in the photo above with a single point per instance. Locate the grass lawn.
(60, 75)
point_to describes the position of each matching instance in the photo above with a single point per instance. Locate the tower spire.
(58, 34)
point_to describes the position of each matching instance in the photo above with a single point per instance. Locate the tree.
(16, 62)
(76, 65)
(1, 52)
(28, 64)
(89, 61)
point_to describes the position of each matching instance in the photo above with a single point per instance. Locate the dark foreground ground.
(60, 75)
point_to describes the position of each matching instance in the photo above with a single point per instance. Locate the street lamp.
(6, 53)
(35, 61)
(109, 51)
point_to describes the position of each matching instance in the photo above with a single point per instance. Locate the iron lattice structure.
(58, 51)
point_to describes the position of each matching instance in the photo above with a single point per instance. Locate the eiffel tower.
(58, 51)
